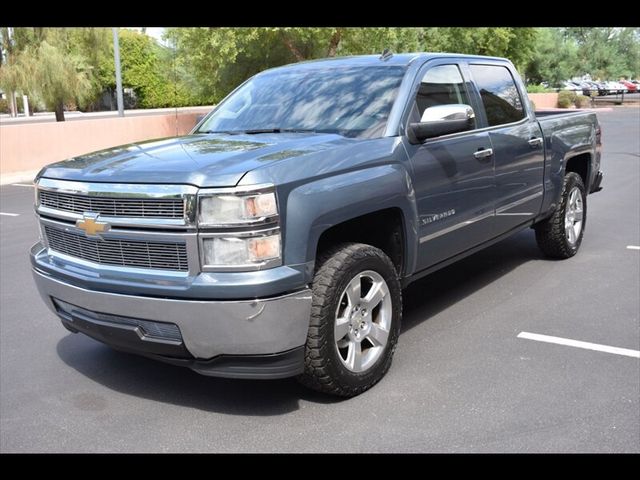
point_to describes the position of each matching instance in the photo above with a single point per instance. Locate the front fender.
(314, 207)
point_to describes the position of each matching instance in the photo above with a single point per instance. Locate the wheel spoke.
(354, 356)
(341, 328)
(354, 292)
(576, 231)
(573, 198)
(570, 233)
(378, 335)
(577, 216)
(375, 295)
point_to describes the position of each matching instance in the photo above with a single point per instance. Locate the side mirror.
(442, 120)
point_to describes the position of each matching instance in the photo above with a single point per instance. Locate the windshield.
(350, 101)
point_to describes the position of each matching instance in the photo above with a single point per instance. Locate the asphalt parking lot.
(462, 380)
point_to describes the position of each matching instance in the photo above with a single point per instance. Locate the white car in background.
(572, 86)
(615, 88)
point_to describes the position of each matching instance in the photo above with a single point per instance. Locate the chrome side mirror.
(442, 120)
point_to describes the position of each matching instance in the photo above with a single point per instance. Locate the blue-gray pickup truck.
(275, 239)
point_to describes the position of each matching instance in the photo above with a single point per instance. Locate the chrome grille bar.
(111, 251)
(162, 206)
(113, 207)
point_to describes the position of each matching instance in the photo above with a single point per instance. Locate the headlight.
(227, 228)
(261, 250)
(233, 209)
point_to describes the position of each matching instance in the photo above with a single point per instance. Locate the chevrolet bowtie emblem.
(90, 224)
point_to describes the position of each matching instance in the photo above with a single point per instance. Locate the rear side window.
(500, 97)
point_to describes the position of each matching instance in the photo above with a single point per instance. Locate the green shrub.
(583, 101)
(4, 106)
(566, 98)
(538, 89)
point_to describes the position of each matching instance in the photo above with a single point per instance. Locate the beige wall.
(544, 100)
(30, 146)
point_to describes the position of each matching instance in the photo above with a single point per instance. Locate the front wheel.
(560, 235)
(355, 320)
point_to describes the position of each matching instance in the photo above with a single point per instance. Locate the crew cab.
(276, 238)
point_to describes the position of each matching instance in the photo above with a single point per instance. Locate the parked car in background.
(571, 86)
(615, 88)
(631, 87)
(597, 89)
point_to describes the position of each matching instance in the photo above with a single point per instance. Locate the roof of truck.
(397, 59)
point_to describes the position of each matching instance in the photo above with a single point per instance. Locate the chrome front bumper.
(209, 328)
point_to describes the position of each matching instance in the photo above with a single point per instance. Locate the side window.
(500, 97)
(441, 85)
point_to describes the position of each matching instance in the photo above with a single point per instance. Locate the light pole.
(116, 54)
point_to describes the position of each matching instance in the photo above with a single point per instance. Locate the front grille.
(162, 330)
(113, 206)
(125, 253)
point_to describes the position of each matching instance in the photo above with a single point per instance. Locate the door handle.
(535, 142)
(483, 153)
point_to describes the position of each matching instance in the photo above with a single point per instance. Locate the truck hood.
(204, 160)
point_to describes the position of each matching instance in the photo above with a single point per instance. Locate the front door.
(453, 175)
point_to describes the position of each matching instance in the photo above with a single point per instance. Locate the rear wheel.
(560, 235)
(355, 320)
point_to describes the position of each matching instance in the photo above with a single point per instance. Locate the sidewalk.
(18, 177)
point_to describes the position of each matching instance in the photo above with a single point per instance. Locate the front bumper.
(258, 338)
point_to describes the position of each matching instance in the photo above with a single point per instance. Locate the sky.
(156, 32)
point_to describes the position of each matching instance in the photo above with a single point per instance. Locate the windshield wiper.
(254, 131)
(278, 130)
(299, 130)
(229, 132)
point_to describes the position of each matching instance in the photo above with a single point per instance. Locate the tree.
(221, 58)
(205, 64)
(607, 52)
(516, 44)
(51, 65)
(554, 60)
(150, 70)
(140, 69)
(53, 76)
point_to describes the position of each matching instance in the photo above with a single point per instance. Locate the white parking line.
(577, 343)
(633, 247)
(10, 214)
(22, 185)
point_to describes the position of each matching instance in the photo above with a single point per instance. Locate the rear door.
(517, 144)
(453, 174)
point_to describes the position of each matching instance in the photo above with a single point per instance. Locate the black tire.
(324, 370)
(550, 233)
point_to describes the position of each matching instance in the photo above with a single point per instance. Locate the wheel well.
(382, 229)
(580, 165)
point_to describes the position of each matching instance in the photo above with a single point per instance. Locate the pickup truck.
(276, 238)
